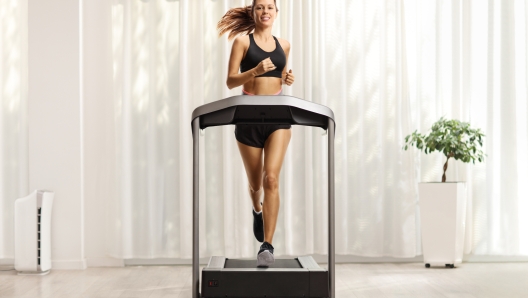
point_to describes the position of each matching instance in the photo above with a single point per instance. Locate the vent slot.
(39, 213)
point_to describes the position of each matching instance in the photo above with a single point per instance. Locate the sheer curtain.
(467, 60)
(386, 68)
(13, 122)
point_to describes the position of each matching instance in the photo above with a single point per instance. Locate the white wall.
(54, 122)
(71, 135)
(71, 108)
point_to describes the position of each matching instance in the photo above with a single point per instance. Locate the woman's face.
(265, 12)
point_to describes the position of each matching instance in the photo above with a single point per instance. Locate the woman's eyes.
(260, 7)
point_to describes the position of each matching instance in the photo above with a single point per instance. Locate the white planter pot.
(443, 220)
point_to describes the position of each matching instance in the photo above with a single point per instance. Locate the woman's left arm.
(287, 77)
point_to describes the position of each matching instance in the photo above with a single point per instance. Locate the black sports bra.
(255, 55)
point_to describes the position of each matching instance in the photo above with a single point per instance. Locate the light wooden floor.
(353, 280)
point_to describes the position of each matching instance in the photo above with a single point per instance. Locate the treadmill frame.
(302, 112)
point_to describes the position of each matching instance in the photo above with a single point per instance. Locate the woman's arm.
(234, 78)
(287, 77)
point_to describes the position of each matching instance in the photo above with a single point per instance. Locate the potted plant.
(443, 205)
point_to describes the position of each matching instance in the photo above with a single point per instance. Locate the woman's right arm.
(234, 78)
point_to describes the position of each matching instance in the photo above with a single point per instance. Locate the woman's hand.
(264, 66)
(289, 78)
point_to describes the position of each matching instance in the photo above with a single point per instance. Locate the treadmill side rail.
(309, 263)
(216, 263)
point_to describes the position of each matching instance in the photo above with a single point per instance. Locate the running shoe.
(265, 255)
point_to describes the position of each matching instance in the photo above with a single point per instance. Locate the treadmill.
(298, 277)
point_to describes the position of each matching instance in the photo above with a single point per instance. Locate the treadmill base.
(287, 278)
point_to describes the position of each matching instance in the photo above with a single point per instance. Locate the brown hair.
(238, 20)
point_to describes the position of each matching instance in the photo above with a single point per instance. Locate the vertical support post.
(196, 209)
(331, 209)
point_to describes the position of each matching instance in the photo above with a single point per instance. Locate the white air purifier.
(32, 233)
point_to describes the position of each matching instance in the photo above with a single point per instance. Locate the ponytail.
(236, 21)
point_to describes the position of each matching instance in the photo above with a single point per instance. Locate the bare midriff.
(263, 85)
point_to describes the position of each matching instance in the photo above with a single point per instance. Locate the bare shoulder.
(284, 43)
(241, 41)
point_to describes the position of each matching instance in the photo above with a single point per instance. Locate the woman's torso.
(271, 82)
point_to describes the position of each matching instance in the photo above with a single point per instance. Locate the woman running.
(262, 60)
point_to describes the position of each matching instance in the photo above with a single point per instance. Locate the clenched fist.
(288, 78)
(264, 66)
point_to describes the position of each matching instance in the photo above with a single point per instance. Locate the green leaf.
(452, 137)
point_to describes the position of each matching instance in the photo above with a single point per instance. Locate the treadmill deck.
(279, 263)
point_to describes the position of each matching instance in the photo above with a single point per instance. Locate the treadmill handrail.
(262, 100)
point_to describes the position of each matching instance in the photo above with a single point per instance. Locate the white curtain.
(468, 60)
(386, 68)
(13, 123)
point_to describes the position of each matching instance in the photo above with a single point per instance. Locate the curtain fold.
(13, 117)
(386, 68)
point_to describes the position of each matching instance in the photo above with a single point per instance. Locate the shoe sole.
(265, 258)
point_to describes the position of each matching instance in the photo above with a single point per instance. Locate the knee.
(254, 188)
(271, 181)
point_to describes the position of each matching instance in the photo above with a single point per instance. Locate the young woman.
(262, 60)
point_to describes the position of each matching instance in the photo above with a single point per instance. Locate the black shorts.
(255, 135)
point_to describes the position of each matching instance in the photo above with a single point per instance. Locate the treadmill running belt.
(279, 263)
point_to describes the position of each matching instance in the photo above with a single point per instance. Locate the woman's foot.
(265, 255)
(258, 226)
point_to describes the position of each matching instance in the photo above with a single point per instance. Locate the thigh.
(275, 150)
(252, 158)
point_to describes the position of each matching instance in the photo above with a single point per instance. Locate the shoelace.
(266, 245)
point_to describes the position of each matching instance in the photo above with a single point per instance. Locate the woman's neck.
(263, 33)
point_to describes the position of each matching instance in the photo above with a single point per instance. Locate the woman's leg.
(252, 158)
(274, 151)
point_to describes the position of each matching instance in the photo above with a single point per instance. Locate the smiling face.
(264, 12)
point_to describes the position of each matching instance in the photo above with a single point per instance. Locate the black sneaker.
(258, 226)
(265, 255)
